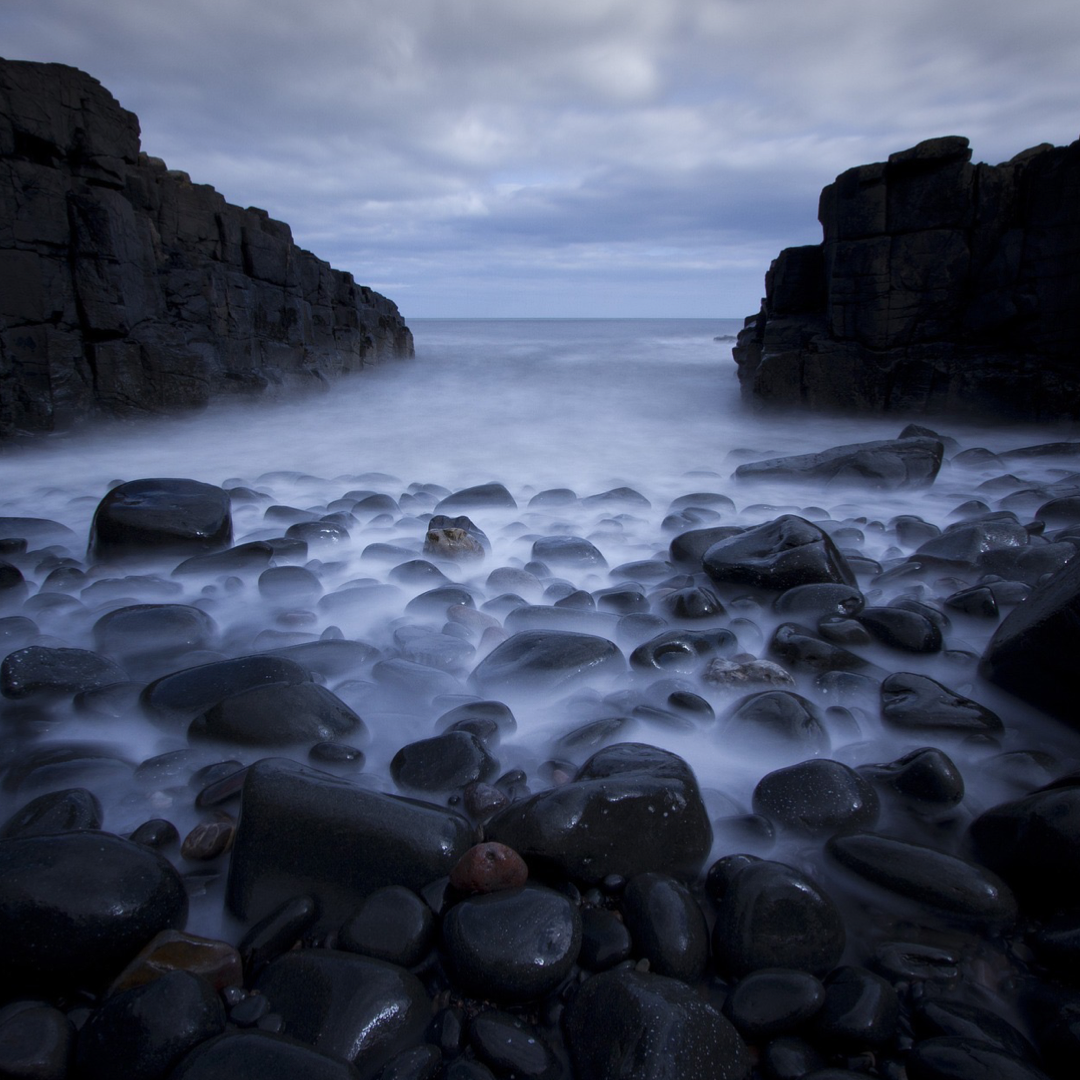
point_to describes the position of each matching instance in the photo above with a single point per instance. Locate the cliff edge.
(126, 288)
(940, 287)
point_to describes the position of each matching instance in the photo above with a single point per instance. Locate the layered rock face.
(126, 288)
(940, 286)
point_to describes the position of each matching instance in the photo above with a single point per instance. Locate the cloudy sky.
(504, 158)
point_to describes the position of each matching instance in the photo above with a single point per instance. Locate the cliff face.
(124, 287)
(940, 286)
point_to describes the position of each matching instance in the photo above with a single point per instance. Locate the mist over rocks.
(127, 289)
(941, 286)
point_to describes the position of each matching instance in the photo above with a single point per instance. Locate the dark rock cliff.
(940, 286)
(126, 288)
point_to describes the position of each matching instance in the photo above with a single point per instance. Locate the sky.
(564, 158)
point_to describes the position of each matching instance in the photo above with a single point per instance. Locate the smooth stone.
(442, 763)
(325, 533)
(353, 1008)
(546, 660)
(860, 1012)
(513, 945)
(915, 962)
(277, 932)
(682, 650)
(819, 600)
(688, 548)
(605, 941)
(259, 1054)
(483, 712)
(692, 603)
(435, 601)
(36, 1042)
(415, 680)
(921, 704)
(769, 915)
(418, 572)
(789, 1058)
(1034, 844)
(927, 778)
(1040, 637)
(148, 517)
(67, 764)
(235, 560)
(926, 876)
(487, 496)
(630, 809)
(958, 1058)
(144, 630)
(38, 671)
(767, 1003)
(279, 715)
(432, 648)
(886, 465)
(305, 832)
(290, 585)
(573, 551)
(800, 648)
(962, 544)
(778, 555)
(418, 1063)
(667, 926)
(217, 962)
(816, 796)
(623, 1024)
(511, 1047)
(69, 810)
(489, 867)
(75, 907)
(329, 657)
(554, 497)
(143, 1032)
(567, 618)
(39, 531)
(183, 695)
(776, 720)
(156, 833)
(625, 495)
(938, 1016)
(908, 631)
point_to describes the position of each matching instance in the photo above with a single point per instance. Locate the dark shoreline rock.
(940, 286)
(129, 289)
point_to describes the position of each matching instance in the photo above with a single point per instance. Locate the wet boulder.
(927, 779)
(546, 660)
(631, 808)
(183, 695)
(75, 907)
(161, 516)
(261, 1054)
(572, 551)
(908, 631)
(773, 1001)
(919, 703)
(392, 924)
(926, 876)
(769, 915)
(682, 650)
(40, 672)
(634, 1023)
(302, 831)
(667, 926)
(486, 496)
(512, 945)
(776, 721)
(143, 1032)
(279, 715)
(141, 631)
(887, 464)
(860, 1012)
(70, 810)
(1032, 653)
(349, 1007)
(955, 1057)
(1034, 844)
(778, 555)
(816, 796)
(442, 763)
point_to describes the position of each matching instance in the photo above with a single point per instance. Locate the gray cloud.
(603, 157)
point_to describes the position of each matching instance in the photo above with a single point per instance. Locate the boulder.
(883, 465)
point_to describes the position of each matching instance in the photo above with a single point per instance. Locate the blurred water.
(584, 404)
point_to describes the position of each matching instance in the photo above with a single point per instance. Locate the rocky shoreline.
(358, 777)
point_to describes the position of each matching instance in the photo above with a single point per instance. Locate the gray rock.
(546, 660)
(41, 672)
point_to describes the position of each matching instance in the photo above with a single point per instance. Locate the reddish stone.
(209, 839)
(173, 950)
(487, 868)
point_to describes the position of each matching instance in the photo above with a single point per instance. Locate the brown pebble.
(482, 800)
(173, 950)
(489, 867)
(208, 839)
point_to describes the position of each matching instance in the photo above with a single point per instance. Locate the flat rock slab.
(886, 464)
(302, 831)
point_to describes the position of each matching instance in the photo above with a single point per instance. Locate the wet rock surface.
(748, 824)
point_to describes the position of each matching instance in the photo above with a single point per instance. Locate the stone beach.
(747, 798)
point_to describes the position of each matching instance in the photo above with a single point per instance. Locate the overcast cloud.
(564, 158)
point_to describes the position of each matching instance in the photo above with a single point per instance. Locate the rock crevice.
(940, 286)
(126, 288)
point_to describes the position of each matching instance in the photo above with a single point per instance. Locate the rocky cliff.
(940, 286)
(125, 287)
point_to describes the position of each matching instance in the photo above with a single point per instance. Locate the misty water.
(590, 405)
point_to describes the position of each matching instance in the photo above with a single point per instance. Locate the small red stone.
(489, 867)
